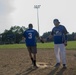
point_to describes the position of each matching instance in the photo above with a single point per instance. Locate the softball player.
(59, 34)
(30, 40)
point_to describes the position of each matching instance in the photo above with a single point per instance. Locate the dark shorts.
(32, 49)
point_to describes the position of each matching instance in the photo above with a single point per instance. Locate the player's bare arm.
(41, 40)
(23, 38)
(65, 34)
(65, 42)
(49, 37)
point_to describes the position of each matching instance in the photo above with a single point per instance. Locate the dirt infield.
(17, 62)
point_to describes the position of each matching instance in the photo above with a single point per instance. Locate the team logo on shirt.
(57, 33)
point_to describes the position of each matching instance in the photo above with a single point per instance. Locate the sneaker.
(64, 66)
(34, 67)
(57, 65)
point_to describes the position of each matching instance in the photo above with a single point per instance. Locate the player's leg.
(34, 51)
(63, 54)
(34, 56)
(30, 53)
(57, 54)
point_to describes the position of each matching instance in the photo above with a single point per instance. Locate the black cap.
(30, 25)
(56, 20)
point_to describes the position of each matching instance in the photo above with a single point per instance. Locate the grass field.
(71, 45)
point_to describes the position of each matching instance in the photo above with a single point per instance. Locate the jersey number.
(30, 35)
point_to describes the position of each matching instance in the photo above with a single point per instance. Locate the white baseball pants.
(60, 52)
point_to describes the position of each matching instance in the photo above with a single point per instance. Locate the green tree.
(13, 35)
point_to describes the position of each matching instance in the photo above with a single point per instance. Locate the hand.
(41, 41)
(50, 37)
(23, 38)
(65, 43)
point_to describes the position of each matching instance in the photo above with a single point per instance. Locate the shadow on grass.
(74, 55)
(28, 71)
(61, 71)
(54, 71)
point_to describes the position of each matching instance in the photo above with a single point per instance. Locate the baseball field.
(14, 60)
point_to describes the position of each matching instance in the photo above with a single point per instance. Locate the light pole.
(37, 7)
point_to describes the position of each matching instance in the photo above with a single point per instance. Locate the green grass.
(12, 46)
(45, 45)
(71, 45)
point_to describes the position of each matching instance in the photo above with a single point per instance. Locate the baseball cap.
(30, 25)
(56, 20)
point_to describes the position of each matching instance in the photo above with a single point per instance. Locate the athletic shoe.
(34, 67)
(64, 66)
(57, 65)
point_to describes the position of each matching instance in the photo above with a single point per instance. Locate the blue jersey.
(59, 34)
(30, 35)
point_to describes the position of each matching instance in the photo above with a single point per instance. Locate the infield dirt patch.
(17, 62)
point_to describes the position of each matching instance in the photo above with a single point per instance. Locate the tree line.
(15, 34)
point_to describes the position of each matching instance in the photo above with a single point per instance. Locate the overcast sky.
(22, 12)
